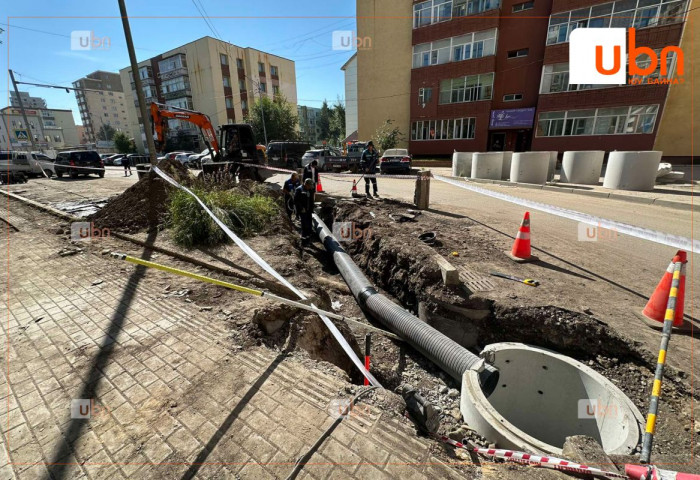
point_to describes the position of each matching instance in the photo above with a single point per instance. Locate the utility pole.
(145, 115)
(24, 114)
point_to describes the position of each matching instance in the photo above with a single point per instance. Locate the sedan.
(395, 160)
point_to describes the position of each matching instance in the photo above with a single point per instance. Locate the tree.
(337, 123)
(280, 119)
(123, 143)
(324, 122)
(106, 133)
(388, 137)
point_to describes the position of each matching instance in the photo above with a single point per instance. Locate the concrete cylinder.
(582, 167)
(530, 167)
(487, 165)
(505, 171)
(552, 168)
(632, 170)
(462, 164)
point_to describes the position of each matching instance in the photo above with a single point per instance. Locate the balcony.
(144, 82)
(176, 72)
(182, 93)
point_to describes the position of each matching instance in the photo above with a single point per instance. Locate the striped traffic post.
(678, 262)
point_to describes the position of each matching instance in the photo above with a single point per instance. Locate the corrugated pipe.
(440, 349)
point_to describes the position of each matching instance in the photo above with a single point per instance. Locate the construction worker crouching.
(368, 163)
(304, 197)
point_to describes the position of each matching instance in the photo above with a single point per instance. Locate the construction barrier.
(656, 307)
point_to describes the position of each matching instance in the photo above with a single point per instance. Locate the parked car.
(79, 162)
(355, 149)
(195, 160)
(395, 160)
(136, 159)
(113, 158)
(42, 164)
(173, 155)
(15, 166)
(287, 154)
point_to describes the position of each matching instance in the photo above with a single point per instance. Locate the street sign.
(22, 134)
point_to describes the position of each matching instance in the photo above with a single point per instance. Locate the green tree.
(123, 143)
(324, 122)
(388, 136)
(106, 133)
(280, 119)
(337, 123)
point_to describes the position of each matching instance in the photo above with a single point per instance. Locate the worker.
(126, 162)
(368, 164)
(288, 189)
(304, 203)
(311, 171)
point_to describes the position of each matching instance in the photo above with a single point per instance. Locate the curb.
(591, 193)
(258, 282)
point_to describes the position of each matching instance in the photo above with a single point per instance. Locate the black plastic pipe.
(444, 352)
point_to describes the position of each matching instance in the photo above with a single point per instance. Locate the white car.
(42, 163)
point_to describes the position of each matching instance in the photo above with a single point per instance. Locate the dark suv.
(79, 162)
(286, 154)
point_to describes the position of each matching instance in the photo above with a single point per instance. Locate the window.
(261, 68)
(619, 14)
(518, 53)
(229, 102)
(227, 81)
(273, 71)
(223, 58)
(519, 7)
(172, 63)
(470, 88)
(241, 85)
(512, 97)
(451, 129)
(455, 49)
(276, 89)
(244, 104)
(601, 121)
(174, 85)
(239, 63)
(424, 96)
(432, 11)
(263, 87)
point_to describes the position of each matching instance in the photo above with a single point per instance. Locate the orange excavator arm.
(160, 113)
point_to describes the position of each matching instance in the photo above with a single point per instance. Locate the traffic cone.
(655, 308)
(521, 251)
(319, 187)
(353, 191)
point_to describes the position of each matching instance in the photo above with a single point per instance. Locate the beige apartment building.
(100, 99)
(210, 76)
(52, 129)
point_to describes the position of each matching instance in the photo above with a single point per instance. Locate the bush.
(244, 214)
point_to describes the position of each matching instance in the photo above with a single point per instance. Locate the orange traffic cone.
(521, 251)
(655, 308)
(319, 187)
(353, 191)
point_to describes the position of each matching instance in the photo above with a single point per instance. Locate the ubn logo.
(84, 231)
(596, 56)
(595, 409)
(86, 40)
(86, 408)
(595, 233)
(348, 231)
(348, 40)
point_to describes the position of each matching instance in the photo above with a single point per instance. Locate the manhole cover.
(474, 281)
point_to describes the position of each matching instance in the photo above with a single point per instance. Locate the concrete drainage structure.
(632, 170)
(540, 399)
(462, 164)
(487, 165)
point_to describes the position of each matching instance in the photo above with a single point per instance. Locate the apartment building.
(51, 128)
(27, 100)
(349, 69)
(101, 102)
(308, 124)
(493, 74)
(217, 78)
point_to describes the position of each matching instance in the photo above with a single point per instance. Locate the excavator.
(234, 148)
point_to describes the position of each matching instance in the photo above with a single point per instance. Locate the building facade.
(350, 71)
(493, 75)
(210, 76)
(51, 129)
(308, 123)
(27, 101)
(101, 102)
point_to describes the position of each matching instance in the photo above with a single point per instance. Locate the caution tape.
(662, 238)
(265, 266)
(320, 172)
(529, 459)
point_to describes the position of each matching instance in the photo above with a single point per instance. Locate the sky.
(36, 42)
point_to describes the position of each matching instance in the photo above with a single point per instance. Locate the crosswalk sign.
(22, 135)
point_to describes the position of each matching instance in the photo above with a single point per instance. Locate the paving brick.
(341, 455)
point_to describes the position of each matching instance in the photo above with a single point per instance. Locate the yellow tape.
(183, 273)
(662, 356)
(669, 314)
(656, 389)
(651, 423)
(676, 274)
(673, 293)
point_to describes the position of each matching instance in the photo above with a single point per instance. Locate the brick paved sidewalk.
(169, 389)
